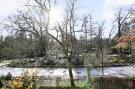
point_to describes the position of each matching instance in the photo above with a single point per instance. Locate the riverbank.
(111, 61)
(100, 83)
(97, 83)
(29, 64)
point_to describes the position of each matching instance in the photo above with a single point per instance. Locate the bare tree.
(91, 27)
(88, 30)
(85, 31)
(68, 39)
(38, 24)
(100, 43)
(120, 19)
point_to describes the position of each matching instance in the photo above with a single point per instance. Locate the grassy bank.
(98, 83)
(110, 60)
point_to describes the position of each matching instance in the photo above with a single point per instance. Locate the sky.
(100, 9)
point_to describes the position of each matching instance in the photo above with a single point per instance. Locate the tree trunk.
(102, 58)
(70, 72)
(120, 52)
(130, 48)
(119, 35)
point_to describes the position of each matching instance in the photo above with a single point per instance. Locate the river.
(122, 71)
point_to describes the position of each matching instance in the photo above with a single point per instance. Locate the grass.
(62, 83)
(98, 83)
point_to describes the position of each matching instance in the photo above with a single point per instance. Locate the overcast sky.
(101, 9)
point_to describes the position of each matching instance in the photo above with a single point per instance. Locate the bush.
(8, 77)
(111, 83)
(1, 83)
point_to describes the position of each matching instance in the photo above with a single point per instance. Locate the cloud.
(9, 6)
(110, 7)
(117, 3)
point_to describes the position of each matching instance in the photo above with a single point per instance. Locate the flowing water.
(77, 72)
(123, 71)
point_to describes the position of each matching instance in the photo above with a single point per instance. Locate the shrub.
(23, 82)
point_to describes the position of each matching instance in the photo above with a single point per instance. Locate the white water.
(77, 72)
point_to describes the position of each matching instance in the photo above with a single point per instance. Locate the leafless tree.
(37, 22)
(88, 30)
(67, 39)
(100, 43)
(120, 19)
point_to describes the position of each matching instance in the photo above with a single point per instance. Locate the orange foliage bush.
(125, 40)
